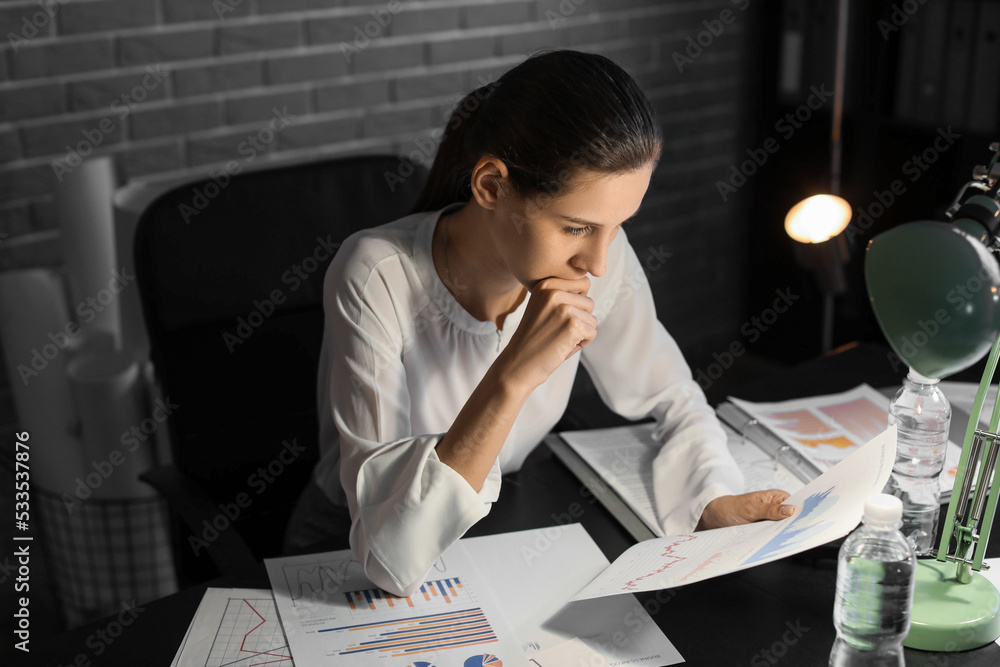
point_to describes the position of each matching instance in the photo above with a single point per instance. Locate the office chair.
(230, 276)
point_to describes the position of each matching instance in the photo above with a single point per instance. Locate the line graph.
(249, 635)
(322, 578)
(670, 561)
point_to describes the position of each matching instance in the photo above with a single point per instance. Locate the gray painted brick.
(31, 101)
(215, 78)
(165, 45)
(65, 57)
(178, 119)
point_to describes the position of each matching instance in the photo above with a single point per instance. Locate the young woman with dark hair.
(452, 334)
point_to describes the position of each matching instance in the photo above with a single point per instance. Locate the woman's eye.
(577, 231)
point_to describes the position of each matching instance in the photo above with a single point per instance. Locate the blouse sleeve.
(639, 371)
(406, 506)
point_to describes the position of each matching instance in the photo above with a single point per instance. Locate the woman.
(452, 335)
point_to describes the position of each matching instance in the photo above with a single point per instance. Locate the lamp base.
(949, 616)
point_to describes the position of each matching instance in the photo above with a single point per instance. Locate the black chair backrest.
(231, 280)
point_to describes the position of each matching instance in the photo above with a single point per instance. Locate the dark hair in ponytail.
(555, 113)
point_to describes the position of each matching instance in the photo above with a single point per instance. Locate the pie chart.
(484, 660)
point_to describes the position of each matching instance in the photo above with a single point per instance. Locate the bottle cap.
(883, 509)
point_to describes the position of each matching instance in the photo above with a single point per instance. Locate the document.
(821, 431)
(234, 626)
(333, 614)
(488, 602)
(828, 508)
(622, 459)
(962, 396)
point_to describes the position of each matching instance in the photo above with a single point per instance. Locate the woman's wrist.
(510, 380)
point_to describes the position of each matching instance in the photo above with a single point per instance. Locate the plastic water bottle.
(875, 575)
(922, 416)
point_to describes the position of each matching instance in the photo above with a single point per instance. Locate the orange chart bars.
(420, 634)
(443, 591)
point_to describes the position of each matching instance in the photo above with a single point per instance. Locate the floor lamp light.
(935, 290)
(816, 222)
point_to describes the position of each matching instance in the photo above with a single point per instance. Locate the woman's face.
(567, 236)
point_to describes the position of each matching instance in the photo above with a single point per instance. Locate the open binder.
(754, 441)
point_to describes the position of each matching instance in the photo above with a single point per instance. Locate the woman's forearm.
(474, 440)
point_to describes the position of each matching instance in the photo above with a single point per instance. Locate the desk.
(774, 614)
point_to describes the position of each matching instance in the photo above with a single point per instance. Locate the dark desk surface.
(774, 614)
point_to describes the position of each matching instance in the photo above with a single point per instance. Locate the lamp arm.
(965, 510)
(957, 202)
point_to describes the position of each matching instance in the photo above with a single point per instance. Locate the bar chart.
(424, 633)
(431, 593)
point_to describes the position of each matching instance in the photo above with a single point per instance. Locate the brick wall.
(172, 87)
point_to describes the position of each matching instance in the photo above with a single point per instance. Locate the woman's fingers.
(575, 286)
(766, 505)
(746, 508)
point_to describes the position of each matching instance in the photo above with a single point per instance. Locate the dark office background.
(722, 75)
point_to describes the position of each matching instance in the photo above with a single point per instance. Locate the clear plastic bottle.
(875, 575)
(922, 416)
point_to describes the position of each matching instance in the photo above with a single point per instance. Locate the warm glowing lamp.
(816, 223)
(817, 219)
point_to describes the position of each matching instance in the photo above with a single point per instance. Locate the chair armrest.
(228, 551)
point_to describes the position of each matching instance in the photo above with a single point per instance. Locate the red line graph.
(667, 553)
(278, 657)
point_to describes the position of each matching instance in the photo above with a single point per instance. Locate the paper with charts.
(826, 429)
(828, 508)
(332, 614)
(234, 626)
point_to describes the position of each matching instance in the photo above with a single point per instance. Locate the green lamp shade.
(935, 290)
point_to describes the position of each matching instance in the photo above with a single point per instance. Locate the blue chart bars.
(441, 591)
(431, 632)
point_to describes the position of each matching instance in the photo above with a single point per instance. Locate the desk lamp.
(935, 290)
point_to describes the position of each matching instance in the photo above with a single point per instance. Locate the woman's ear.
(488, 180)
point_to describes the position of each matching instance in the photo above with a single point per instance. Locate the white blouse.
(406, 357)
